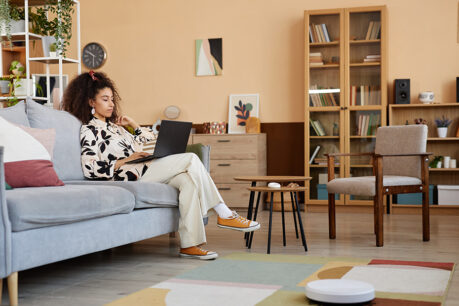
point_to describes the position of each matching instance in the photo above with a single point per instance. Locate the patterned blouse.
(103, 143)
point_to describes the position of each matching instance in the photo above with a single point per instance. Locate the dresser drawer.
(235, 195)
(223, 170)
(231, 146)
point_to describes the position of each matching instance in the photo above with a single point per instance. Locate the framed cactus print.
(241, 108)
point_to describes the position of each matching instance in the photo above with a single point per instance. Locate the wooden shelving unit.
(30, 55)
(400, 114)
(347, 29)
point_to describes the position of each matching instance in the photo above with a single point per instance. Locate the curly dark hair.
(83, 88)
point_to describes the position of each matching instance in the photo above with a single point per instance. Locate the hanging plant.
(5, 18)
(60, 27)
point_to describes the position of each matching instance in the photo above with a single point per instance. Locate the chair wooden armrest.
(331, 161)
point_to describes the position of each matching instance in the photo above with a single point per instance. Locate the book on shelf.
(374, 30)
(315, 59)
(367, 124)
(318, 33)
(318, 128)
(324, 161)
(372, 58)
(365, 95)
(314, 154)
(321, 99)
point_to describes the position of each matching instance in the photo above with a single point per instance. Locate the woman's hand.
(134, 156)
(127, 121)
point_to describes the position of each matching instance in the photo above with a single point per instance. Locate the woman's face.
(103, 104)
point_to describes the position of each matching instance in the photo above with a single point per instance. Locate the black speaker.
(457, 89)
(402, 91)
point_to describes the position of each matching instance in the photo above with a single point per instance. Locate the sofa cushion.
(365, 185)
(27, 161)
(15, 114)
(147, 194)
(67, 150)
(30, 208)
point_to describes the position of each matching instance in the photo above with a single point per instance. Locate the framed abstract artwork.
(209, 56)
(241, 108)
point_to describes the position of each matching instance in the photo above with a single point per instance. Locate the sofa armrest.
(5, 226)
(206, 157)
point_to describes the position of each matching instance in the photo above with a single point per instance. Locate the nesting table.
(252, 214)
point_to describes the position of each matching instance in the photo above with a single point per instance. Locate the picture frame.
(241, 107)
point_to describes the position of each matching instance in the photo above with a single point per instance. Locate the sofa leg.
(13, 288)
(1, 289)
(172, 235)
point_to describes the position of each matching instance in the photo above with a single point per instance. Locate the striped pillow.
(27, 161)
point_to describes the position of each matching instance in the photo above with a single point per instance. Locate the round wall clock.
(94, 55)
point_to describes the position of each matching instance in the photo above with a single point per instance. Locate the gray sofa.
(42, 225)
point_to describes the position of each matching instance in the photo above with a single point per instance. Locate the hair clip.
(91, 73)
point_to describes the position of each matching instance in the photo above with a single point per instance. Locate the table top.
(281, 189)
(272, 178)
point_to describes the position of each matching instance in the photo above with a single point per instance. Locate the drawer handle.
(224, 188)
(223, 140)
(224, 165)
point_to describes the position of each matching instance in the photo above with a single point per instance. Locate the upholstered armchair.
(400, 165)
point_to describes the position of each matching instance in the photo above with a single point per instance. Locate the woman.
(106, 146)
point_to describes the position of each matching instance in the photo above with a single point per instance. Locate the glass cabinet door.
(325, 96)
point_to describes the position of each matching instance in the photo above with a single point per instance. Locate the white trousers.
(197, 192)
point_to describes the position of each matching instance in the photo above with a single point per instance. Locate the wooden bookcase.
(329, 93)
(400, 114)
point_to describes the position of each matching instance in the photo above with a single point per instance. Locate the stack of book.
(317, 127)
(315, 59)
(374, 30)
(318, 33)
(365, 95)
(367, 124)
(321, 99)
(372, 58)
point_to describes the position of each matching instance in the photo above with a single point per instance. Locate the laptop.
(172, 139)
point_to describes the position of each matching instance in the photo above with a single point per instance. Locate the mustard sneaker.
(198, 253)
(238, 223)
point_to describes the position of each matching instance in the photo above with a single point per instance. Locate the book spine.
(370, 26)
(324, 28)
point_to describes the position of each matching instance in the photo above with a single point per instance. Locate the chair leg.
(13, 288)
(375, 212)
(283, 218)
(270, 222)
(1, 289)
(379, 220)
(331, 216)
(425, 215)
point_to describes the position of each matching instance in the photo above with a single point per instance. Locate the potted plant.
(17, 71)
(52, 50)
(442, 126)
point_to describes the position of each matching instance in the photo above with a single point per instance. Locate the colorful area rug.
(260, 279)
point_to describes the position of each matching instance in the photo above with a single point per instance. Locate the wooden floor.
(106, 276)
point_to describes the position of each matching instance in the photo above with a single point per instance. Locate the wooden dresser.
(234, 155)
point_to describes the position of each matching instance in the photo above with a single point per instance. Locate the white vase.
(53, 54)
(442, 131)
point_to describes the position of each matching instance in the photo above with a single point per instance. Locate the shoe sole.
(201, 257)
(241, 229)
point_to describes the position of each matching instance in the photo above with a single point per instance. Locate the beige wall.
(151, 56)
